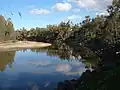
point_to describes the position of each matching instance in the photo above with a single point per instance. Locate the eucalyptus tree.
(6, 28)
(114, 20)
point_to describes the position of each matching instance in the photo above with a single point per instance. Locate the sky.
(39, 13)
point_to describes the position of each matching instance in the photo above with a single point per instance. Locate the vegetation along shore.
(96, 40)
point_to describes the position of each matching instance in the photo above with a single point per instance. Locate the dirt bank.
(22, 45)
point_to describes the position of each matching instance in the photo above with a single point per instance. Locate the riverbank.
(22, 45)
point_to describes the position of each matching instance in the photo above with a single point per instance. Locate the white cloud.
(63, 68)
(62, 6)
(73, 17)
(86, 3)
(75, 68)
(40, 63)
(39, 11)
(102, 13)
(91, 4)
(75, 72)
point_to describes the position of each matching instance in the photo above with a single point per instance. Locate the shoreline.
(22, 45)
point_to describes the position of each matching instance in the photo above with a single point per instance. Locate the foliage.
(6, 29)
(50, 34)
(104, 29)
(102, 36)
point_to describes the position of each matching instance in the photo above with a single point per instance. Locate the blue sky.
(39, 13)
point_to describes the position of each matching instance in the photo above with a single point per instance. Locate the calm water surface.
(29, 70)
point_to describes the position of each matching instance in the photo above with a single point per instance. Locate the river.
(36, 69)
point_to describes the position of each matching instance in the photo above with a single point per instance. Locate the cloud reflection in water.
(72, 68)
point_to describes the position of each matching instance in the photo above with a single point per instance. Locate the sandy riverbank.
(22, 45)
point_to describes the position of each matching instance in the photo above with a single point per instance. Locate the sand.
(22, 45)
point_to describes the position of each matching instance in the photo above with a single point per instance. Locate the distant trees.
(52, 33)
(99, 31)
(35, 34)
(6, 29)
(105, 29)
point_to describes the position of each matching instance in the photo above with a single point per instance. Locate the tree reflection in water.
(101, 77)
(6, 58)
(104, 63)
(65, 52)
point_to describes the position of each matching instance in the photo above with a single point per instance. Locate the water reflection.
(65, 52)
(54, 66)
(39, 63)
(33, 86)
(6, 58)
(42, 69)
(38, 69)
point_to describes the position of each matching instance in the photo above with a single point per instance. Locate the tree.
(6, 29)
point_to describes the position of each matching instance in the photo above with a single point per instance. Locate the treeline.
(102, 36)
(50, 34)
(101, 31)
(104, 29)
(6, 29)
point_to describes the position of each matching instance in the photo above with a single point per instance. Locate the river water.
(36, 70)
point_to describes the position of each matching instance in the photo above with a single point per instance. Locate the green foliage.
(6, 29)
(98, 34)
(103, 28)
(102, 36)
(52, 33)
